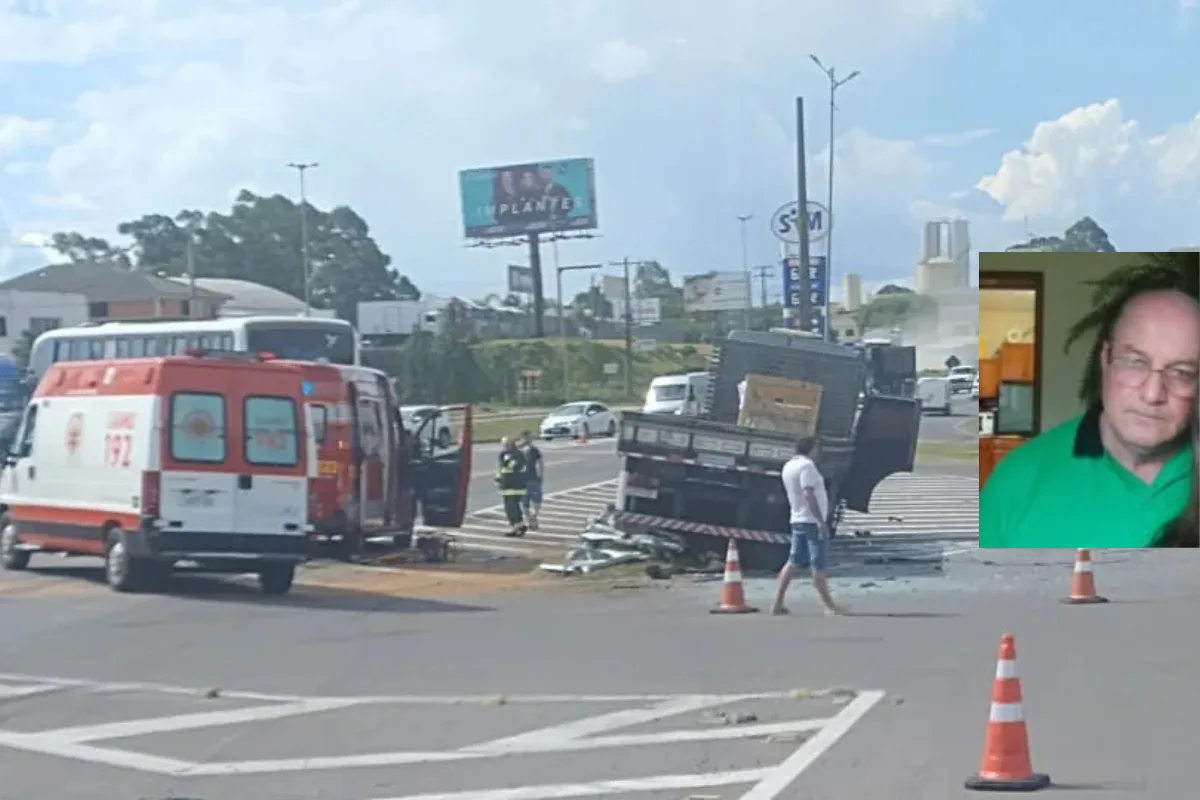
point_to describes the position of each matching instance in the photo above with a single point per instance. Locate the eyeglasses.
(1133, 372)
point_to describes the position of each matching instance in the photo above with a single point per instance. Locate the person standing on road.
(809, 504)
(510, 476)
(534, 473)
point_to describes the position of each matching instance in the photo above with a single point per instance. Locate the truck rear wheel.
(11, 556)
(276, 579)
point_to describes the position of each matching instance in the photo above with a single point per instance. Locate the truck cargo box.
(838, 370)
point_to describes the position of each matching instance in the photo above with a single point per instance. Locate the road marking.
(47, 745)
(659, 783)
(784, 775)
(601, 723)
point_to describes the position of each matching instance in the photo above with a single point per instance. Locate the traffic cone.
(1083, 582)
(733, 597)
(1006, 764)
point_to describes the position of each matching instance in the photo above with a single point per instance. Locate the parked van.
(676, 394)
(935, 395)
(150, 462)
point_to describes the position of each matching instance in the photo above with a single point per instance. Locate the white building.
(248, 299)
(945, 265)
(37, 312)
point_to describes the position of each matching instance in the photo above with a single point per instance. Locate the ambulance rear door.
(272, 486)
(198, 483)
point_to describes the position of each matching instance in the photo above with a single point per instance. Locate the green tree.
(652, 280)
(1084, 236)
(259, 241)
(87, 249)
(892, 309)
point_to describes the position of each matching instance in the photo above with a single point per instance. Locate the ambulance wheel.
(122, 572)
(12, 558)
(276, 579)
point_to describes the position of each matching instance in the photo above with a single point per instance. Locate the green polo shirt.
(1063, 489)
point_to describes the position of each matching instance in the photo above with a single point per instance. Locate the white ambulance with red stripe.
(147, 463)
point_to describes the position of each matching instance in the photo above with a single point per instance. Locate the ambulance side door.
(19, 469)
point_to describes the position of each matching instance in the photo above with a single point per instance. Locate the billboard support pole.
(562, 329)
(806, 315)
(539, 297)
(628, 333)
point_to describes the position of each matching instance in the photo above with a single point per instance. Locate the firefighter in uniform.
(511, 478)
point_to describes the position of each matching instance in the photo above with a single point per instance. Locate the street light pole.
(562, 316)
(835, 83)
(301, 168)
(742, 220)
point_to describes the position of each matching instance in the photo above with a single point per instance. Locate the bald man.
(1116, 475)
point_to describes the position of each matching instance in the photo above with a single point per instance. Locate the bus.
(332, 341)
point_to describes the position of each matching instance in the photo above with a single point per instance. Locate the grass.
(948, 451)
(491, 430)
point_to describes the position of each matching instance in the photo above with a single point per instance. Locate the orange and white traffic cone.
(733, 596)
(1083, 582)
(1006, 764)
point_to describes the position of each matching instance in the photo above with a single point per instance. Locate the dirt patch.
(467, 578)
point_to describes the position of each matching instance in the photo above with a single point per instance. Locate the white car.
(436, 433)
(578, 419)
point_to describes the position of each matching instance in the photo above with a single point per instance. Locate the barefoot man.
(809, 504)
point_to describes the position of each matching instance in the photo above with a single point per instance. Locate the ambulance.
(372, 473)
(203, 458)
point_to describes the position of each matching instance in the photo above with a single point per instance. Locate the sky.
(1020, 116)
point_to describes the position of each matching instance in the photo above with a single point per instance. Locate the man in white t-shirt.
(809, 503)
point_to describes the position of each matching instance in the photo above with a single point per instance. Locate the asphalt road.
(567, 465)
(218, 692)
(961, 425)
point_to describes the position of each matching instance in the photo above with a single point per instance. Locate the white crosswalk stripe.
(902, 504)
(915, 504)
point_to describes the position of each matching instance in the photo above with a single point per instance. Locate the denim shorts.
(533, 491)
(809, 550)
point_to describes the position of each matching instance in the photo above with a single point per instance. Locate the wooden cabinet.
(989, 378)
(991, 450)
(1017, 363)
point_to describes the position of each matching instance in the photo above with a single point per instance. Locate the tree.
(87, 249)
(592, 304)
(259, 241)
(652, 280)
(891, 288)
(1084, 236)
(893, 309)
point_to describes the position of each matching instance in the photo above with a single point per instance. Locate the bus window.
(137, 346)
(80, 348)
(156, 345)
(96, 349)
(179, 345)
(62, 350)
(122, 347)
(226, 342)
(205, 342)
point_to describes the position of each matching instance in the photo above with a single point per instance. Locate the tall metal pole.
(301, 168)
(191, 274)
(742, 220)
(802, 214)
(834, 85)
(628, 332)
(562, 326)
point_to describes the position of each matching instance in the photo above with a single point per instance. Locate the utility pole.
(764, 271)
(562, 316)
(835, 83)
(301, 168)
(191, 274)
(742, 220)
(628, 332)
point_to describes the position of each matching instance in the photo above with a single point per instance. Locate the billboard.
(520, 279)
(717, 291)
(796, 281)
(519, 199)
(645, 311)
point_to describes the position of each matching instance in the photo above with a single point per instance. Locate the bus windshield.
(332, 343)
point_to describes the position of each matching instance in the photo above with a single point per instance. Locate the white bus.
(295, 338)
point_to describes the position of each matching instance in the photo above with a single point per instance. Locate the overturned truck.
(710, 479)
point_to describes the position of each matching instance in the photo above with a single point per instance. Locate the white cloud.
(619, 60)
(957, 139)
(17, 133)
(1093, 160)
